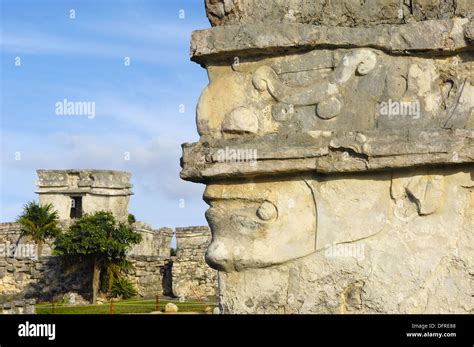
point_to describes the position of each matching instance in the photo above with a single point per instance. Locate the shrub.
(131, 218)
(122, 288)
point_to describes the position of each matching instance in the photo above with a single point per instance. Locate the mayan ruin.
(360, 198)
(77, 192)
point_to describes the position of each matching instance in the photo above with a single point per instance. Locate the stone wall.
(338, 13)
(154, 242)
(150, 275)
(9, 232)
(25, 275)
(26, 271)
(19, 307)
(44, 279)
(12, 242)
(192, 277)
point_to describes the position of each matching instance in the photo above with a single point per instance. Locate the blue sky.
(137, 106)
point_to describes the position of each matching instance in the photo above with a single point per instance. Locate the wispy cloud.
(40, 43)
(165, 33)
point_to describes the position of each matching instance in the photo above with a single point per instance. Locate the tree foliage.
(40, 222)
(100, 242)
(122, 288)
(131, 218)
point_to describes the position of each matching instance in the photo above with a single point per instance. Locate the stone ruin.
(24, 275)
(337, 149)
(191, 276)
(77, 192)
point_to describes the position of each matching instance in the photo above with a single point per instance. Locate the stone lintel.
(446, 36)
(326, 152)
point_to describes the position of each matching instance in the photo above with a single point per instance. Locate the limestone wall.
(43, 279)
(18, 307)
(13, 242)
(155, 242)
(150, 275)
(25, 275)
(118, 205)
(27, 271)
(192, 277)
(340, 13)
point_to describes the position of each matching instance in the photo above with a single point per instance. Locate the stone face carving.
(369, 258)
(253, 223)
(358, 194)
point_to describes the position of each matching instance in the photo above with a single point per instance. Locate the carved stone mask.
(253, 223)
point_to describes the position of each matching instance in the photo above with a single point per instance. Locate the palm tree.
(40, 222)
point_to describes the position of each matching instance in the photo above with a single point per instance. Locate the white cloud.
(154, 162)
(44, 43)
(168, 33)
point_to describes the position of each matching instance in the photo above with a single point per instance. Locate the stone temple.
(337, 149)
(77, 192)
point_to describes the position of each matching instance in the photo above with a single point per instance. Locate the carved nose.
(219, 257)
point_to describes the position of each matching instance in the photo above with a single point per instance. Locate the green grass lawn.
(122, 307)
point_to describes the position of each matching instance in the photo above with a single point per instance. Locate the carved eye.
(266, 211)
